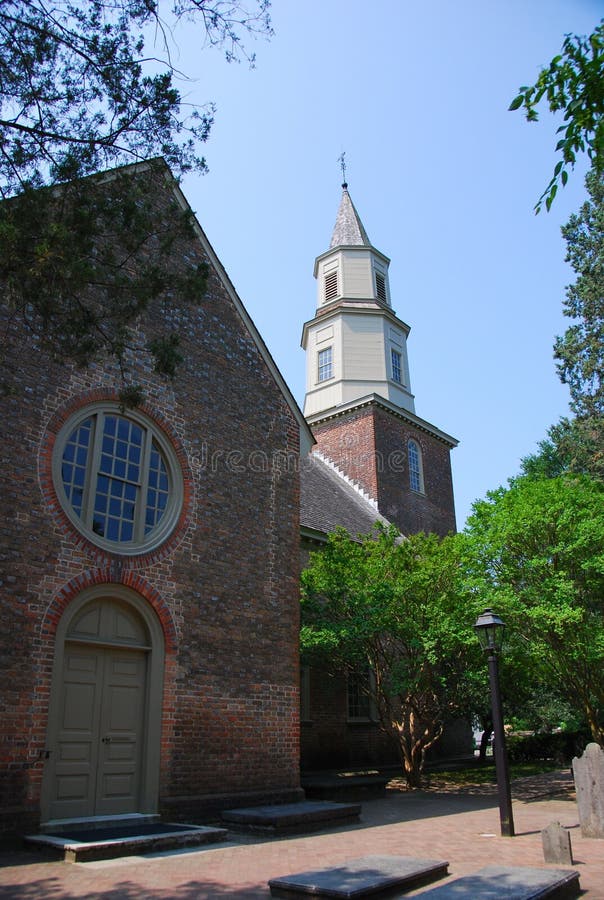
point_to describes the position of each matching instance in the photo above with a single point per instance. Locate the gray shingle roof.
(348, 230)
(328, 499)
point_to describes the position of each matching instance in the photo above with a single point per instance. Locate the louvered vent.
(380, 286)
(331, 285)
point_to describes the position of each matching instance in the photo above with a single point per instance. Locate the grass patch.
(485, 773)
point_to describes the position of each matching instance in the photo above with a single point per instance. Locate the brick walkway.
(461, 827)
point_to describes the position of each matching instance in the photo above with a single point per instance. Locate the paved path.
(462, 828)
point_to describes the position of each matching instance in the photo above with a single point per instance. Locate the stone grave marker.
(588, 771)
(556, 844)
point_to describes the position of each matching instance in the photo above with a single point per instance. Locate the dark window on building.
(325, 364)
(331, 285)
(416, 473)
(397, 374)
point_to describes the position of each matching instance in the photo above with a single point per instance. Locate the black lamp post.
(489, 630)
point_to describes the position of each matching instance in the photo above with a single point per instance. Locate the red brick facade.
(224, 585)
(370, 445)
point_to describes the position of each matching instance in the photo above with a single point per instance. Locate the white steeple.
(356, 346)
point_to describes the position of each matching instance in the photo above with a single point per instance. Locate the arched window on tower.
(416, 469)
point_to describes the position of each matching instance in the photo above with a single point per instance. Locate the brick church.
(148, 651)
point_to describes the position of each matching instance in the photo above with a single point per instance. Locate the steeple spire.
(349, 231)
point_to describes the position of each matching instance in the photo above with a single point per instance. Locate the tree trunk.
(484, 742)
(597, 731)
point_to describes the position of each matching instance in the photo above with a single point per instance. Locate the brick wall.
(370, 446)
(224, 585)
(330, 740)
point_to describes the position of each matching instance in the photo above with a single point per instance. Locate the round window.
(117, 478)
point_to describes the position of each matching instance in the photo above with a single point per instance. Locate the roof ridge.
(353, 484)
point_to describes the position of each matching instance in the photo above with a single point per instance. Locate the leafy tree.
(85, 87)
(79, 264)
(393, 604)
(580, 351)
(572, 445)
(90, 85)
(573, 83)
(538, 555)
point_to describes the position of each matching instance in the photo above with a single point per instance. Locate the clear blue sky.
(444, 179)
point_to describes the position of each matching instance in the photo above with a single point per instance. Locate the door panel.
(77, 746)
(98, 755)
(121, 726)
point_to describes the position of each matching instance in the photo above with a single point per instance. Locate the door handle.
(106, 740)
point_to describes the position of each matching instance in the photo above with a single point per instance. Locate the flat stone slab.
(291, 818)
(508, 883)
(112, 843)
(368, 876)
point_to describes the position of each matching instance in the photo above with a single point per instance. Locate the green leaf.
(516, 102)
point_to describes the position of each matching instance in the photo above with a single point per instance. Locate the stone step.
(509, 883)
(368, 876)
(292, 818)
(81, 845)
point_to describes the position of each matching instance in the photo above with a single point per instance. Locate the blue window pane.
(126, 532)
(117, 489)
(105, 464)
(113, 529)
(115, 507)
(130, 492)
(69, 452)
(133, 473)
(110, 424)
(100, 505)
(121, 449)
(119, 468)
(123, 429)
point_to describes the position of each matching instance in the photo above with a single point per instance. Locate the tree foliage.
(537, 553)
(572, 445)
(394, 605)
(580, 351)
(80, 263)
(85, 87)
(573, 84)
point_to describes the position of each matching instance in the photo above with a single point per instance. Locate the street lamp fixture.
(489, 630)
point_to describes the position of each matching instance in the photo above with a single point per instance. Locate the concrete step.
(85, 845)
(292, 818)
(369, 876)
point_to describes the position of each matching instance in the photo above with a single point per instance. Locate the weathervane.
(342, 161)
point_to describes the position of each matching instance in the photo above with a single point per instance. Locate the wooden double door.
(99, 715)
